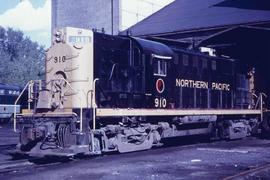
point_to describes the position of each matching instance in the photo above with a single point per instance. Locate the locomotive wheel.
(64, 135)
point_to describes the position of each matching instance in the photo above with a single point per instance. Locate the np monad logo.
(160, 86)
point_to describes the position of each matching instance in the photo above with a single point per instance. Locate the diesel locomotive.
(106, 93)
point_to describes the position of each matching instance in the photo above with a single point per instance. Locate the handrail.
(15, 105)
(112, 71)
(94, 103)
(30, 90)
(87, 98)
(261, 104)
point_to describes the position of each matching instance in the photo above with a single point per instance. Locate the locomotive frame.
(113, 93)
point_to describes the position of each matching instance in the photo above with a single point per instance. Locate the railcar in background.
(8, 96)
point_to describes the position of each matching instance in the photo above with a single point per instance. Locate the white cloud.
(26, 18)
(42, 37)
(44, 34)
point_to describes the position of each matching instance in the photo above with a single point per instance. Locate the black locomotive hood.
(152, 47)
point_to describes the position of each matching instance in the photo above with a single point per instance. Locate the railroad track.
(10, 166)
(249, 173)
(7, 147)
(22, 165)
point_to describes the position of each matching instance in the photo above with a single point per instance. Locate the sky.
(33, 17)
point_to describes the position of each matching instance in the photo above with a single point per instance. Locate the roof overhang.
(247, 43)
(152, 47)
(236, 35)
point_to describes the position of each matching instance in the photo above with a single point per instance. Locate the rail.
(251, 173)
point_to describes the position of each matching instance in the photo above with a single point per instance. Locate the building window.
(160, 67)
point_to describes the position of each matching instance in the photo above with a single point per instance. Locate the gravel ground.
(185, 159)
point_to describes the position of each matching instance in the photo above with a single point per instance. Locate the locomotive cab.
(158, 59)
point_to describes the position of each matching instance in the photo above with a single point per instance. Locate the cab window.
(160, 67)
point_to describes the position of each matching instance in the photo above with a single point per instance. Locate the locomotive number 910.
(106, 93)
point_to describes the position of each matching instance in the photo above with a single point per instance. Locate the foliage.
(21, 59)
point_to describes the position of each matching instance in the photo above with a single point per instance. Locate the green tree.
(21, 59)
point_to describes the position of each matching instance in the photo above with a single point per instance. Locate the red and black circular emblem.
(160, 86)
